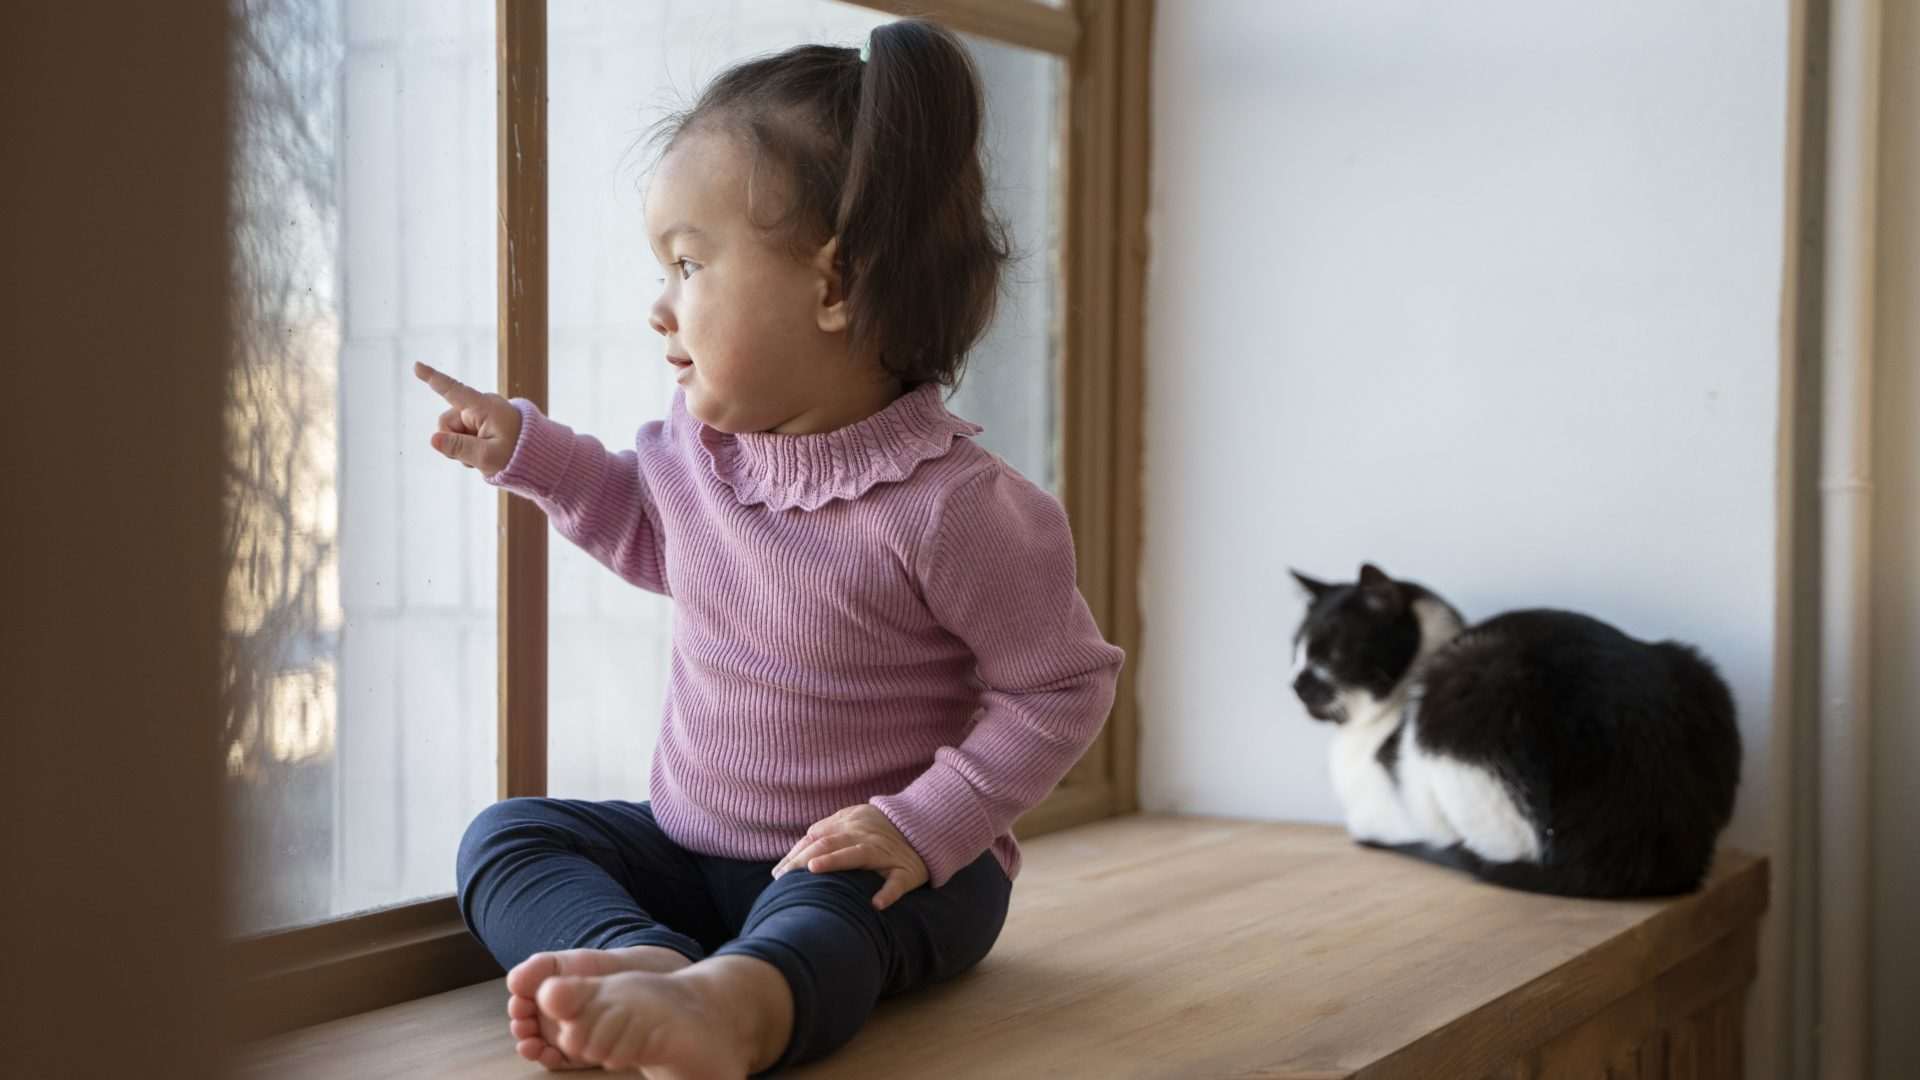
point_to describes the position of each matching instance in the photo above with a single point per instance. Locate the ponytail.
(920, 251)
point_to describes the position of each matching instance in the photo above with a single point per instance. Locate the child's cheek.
(688, 310)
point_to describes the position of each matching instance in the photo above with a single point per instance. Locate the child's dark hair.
(882, 153)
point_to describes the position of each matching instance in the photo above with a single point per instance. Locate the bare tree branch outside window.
(282, 604)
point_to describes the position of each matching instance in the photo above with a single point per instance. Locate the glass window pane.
(1012, 382)
(360, 614)
(615, 68)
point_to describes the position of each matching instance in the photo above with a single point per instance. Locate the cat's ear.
(1380, 592)
(1315, 589)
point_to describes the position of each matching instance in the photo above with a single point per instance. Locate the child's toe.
(564, 997)
(528, 974)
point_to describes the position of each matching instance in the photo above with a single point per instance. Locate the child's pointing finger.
(455, 391)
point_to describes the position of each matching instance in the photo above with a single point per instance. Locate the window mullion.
(521, 155)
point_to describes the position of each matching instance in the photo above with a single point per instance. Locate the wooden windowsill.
(1168, 946)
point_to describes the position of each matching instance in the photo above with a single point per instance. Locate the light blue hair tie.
(866, 49)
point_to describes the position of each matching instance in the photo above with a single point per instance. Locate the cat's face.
(1354, 646)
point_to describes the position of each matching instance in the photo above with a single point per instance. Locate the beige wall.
(113, 329)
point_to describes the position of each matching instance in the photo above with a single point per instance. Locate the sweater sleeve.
(598, 500)
(998, 573)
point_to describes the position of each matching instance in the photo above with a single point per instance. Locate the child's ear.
(830, 312)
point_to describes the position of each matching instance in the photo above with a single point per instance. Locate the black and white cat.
(1541, 750)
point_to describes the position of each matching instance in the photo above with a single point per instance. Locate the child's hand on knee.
(859, 838)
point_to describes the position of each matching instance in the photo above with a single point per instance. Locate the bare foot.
(716, 1020)
(534, 1033)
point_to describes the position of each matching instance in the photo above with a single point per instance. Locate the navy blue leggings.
(543, 874)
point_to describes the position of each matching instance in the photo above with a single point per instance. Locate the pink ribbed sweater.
(886, 613)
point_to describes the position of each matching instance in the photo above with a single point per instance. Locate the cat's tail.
(1551, 880)
(1583, 881)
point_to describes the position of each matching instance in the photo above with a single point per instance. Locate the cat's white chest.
(1428, 799)
(1368, 795)
(1466, 804)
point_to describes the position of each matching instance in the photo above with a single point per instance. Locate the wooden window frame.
(311, 974)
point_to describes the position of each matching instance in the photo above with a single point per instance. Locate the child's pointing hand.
(480, 430)
(859, 838)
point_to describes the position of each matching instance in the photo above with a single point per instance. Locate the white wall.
(1485, 293)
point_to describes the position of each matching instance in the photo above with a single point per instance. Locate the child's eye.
(684, 266)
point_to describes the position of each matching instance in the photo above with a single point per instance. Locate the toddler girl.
(880, 657)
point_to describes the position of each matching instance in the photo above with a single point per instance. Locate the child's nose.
(660, 317)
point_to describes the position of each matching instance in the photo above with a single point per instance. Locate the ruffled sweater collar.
(805, 472)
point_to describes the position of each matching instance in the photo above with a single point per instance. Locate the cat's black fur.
(1621, 756)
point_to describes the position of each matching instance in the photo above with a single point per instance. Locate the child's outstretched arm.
(595, 499)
